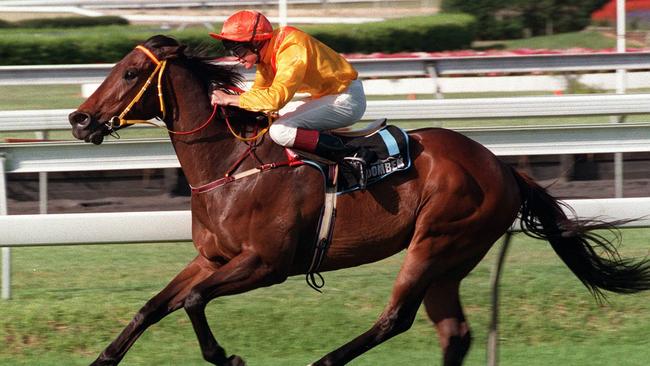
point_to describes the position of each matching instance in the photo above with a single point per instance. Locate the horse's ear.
(172, 52)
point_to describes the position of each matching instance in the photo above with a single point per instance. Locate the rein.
(325, 226)
(120, 121)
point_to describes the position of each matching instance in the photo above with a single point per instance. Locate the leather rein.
(117, 122)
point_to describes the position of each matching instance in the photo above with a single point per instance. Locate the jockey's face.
(248, 60)
(242, 51)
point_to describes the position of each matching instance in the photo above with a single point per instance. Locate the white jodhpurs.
(325, 113)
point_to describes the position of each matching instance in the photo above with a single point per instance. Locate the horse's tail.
(575, 241)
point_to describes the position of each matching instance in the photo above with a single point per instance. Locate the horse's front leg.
(245, 272)
(171, 298)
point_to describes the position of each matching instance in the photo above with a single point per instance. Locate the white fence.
(158, 153)
(416, 110)
(173, 226)
(377, 68)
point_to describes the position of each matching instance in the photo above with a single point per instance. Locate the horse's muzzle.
(80, 119)
(83, 128)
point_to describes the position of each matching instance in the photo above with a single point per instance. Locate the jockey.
(289, 61)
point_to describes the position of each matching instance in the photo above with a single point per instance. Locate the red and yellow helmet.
(245, 26)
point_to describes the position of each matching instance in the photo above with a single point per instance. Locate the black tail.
(575, 241)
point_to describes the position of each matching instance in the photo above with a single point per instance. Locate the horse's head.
(117, 97)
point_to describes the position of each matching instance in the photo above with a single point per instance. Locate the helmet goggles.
(237, 49)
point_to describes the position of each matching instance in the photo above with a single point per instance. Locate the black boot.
(352, 158)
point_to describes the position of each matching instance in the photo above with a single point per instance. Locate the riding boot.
(352, 158)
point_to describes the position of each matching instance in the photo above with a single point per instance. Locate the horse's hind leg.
(171, 298)
(412, 282)
(442, 303)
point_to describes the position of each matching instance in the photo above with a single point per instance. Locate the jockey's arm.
(291, 68)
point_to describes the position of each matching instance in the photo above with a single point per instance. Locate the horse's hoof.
(104, 361)
(235, 360)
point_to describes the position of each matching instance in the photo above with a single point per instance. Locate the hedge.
(108, 44)
(425, 33)
(81, 46)
(507, 19)
(71, 22)
(6, 24)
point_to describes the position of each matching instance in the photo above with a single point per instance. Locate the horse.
(445, 212)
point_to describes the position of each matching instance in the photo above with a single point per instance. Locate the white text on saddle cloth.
(385, 167)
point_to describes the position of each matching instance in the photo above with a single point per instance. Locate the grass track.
(69, 302)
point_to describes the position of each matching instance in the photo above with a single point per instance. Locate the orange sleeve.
(291, 63)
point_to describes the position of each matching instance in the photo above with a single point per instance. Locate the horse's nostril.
(79, 119)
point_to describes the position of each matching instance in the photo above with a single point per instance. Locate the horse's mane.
(198, 62)
(210, 74)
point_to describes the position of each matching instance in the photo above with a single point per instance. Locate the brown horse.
(446, 212)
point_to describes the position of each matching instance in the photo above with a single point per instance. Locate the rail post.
(493, 333)
(42, 180)
(6, 252)
(432, 70)
(620, 89)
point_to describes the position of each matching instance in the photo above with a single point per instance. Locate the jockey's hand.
(220, 98)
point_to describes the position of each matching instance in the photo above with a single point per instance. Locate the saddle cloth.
(391, 147)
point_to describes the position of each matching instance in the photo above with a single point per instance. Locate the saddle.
(388, 143)
(371, 128)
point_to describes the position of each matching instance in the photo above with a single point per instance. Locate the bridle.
(117, 122)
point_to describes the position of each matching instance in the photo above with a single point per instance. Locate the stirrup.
(359, 165)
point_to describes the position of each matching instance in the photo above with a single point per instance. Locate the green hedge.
(108, 44)
(64, 46)
(507, 19)
(6, 24)
(71, 22)
(425, 33)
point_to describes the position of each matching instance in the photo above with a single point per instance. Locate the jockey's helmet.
(245, 26)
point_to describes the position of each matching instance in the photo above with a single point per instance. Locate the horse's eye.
(130, 74)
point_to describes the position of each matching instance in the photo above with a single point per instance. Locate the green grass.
(30, 97)
(69, 302)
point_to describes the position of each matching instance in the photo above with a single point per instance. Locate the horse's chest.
(224, 231)
(215, 233)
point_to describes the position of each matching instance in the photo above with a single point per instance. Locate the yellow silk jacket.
(294, 62)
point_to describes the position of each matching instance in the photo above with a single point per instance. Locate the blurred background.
(558, 89)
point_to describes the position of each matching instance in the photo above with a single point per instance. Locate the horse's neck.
(209, 154)
(204, 155)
